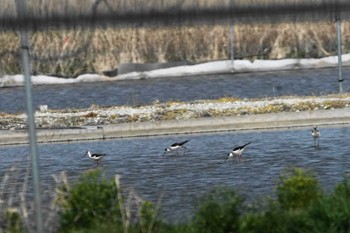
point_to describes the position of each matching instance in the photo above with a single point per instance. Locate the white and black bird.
(237, 152)
(94, 156)
(315, 133)
(175, 147)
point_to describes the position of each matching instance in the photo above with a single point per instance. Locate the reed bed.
(69, 53)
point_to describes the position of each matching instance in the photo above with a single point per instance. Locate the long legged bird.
(237, 152)
(94, 156)
(175, 147)
(316, 135)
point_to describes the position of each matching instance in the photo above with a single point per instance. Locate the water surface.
(135, 92)
(180, 180)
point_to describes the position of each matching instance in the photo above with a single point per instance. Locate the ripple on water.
(180, 180)
(138, 92)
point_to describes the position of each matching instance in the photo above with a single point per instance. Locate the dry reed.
(16, 204)
(17, 212)
(72, 52)
(131, 206)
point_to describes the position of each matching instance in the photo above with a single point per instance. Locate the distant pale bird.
(315, 133)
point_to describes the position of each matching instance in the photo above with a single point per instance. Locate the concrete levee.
(201, 125)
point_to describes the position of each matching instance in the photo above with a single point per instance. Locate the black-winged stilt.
(94, 156)
(175, 147)
(316, 135)
(237, 152)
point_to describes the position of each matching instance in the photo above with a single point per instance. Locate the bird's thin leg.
(185, 148)
(177, 153)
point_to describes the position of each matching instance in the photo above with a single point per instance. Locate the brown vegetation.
(70, 53)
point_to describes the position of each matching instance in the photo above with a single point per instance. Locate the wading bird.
(237, 152)
(316, 135)
(94, 156)
(175, 147)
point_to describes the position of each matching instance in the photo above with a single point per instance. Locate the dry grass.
(90, 115)
(70, 53)
(226, 99)
(17, 212)
(171, 114)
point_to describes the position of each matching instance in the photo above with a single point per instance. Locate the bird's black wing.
(97, 155)
(238, 148)
(241, 147)
(182, 143)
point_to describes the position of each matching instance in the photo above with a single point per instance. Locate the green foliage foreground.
(95, 204)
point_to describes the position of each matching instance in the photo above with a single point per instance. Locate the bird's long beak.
(83, 155)
(164, 153)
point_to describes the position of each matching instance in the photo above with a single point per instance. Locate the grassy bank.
(96, 204)
(70, 53)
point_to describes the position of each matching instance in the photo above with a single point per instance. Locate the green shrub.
(274, 220)
(219, 211)
(92, 205)
(12, 221)
(297, 192)
(93, 200)
(298, 189)
(147, 216)
(332, 213)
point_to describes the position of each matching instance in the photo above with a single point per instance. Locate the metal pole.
(340, 63)
(232, 38)
(21, 10)
(232, 52)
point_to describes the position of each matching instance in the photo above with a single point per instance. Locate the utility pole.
(232, 48)
(340, 62)
(21, 11)
(232, 37)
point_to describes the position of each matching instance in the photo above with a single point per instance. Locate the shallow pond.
(180, 180)
(136, 92)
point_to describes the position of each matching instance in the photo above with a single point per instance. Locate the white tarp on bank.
(215, 67)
